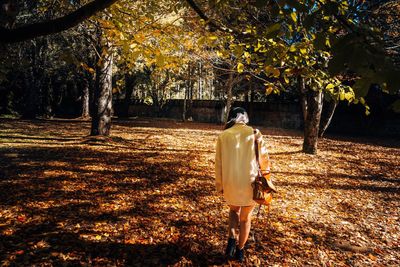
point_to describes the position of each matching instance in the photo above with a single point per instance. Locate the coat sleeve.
(265, 163)
(218, 167)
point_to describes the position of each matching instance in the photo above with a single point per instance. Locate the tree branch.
(212, 25)
(53, 26)
(203, 16)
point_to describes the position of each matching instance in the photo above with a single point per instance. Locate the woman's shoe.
(230, 248)
(239, 255)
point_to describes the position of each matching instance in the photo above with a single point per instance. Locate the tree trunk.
(85, 99)
(161, 97)
(188, 94)
(32, 96)
(228, 96)
(251, 98)
(199, 85)
(185, 102)
(130, 81)
(303, 96)
(327, 115)
(101, 117)
(312, 121)
(48, 96)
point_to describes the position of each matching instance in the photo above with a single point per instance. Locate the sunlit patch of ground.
(145, 197)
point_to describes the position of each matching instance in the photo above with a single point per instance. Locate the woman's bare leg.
(245, 224)
(233, 220)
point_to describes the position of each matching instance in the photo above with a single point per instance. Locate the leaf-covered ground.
(145, 197)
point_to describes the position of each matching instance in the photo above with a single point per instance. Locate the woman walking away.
(235, 171)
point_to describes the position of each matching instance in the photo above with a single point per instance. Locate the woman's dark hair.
(236, 114)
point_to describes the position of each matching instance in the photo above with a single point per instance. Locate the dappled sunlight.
(146, 196)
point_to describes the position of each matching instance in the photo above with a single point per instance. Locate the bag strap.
(259, 168)
(257, 153)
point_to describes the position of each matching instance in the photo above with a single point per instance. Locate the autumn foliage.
(145, 197)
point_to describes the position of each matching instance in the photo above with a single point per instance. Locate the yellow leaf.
(271, 71)
(98, 237)
(240, 67)
(160, 59)
(372, 257)
(201, 40)
(140, 37)
(293, 16)
(248, 60)
(348, 96)
(286, 79)
(288, 71)
(327, 42)
(341, 96)
(257, 47)
(269, 88)
(329, 86)
(276, 73)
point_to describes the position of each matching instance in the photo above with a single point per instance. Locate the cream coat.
(235, 163)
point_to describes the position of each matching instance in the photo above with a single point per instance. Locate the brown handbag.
(262, 185)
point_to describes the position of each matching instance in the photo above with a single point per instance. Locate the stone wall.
(280, 115)
(348, 119)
